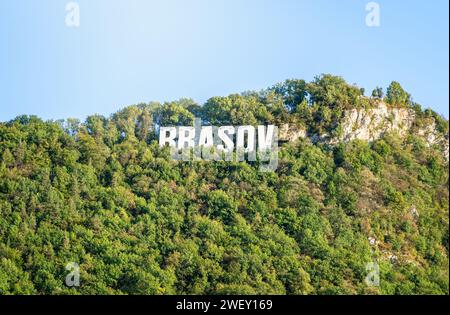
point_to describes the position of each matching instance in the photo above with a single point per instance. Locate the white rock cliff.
(370, 125)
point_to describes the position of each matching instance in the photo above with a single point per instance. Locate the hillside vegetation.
(104, 195)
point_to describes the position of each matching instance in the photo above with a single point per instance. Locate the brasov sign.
(223, 143)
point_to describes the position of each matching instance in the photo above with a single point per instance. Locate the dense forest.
(103, 194)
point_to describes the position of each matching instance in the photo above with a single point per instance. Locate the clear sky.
(131, 51)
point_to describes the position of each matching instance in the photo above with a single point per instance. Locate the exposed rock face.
(432, 137)
(371, 124)
(446, 148)
(291, 133)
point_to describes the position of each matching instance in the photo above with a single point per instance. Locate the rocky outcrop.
(432, 137)
(371, 124)
(290, 133)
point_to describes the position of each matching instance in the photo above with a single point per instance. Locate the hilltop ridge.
(370, 124)
(361, 186)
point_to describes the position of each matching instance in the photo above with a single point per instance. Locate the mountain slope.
(357, 189)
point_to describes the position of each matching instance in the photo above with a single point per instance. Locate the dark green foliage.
(378, 92)
(396, 95)
(104, 195)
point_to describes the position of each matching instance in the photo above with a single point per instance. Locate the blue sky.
(131, 51)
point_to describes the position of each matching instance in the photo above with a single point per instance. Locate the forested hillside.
(103, 194)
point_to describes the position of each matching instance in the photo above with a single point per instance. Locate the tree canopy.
(103, 194)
